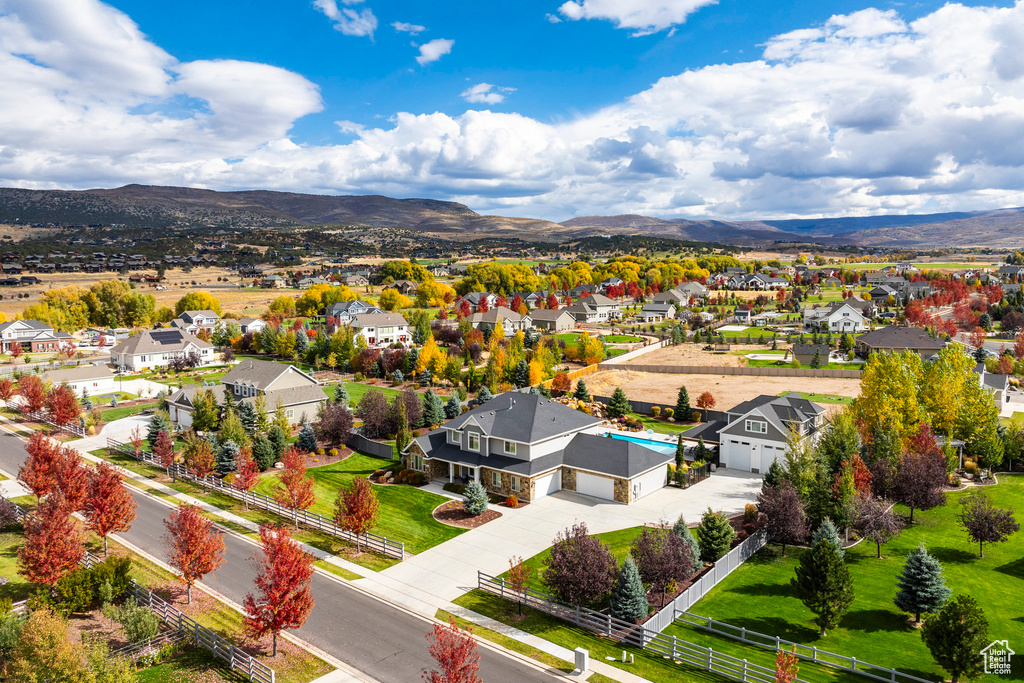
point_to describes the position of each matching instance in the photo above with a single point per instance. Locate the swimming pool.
(659, 446)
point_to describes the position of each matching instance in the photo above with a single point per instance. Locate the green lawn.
(111, 414)
(405, 511)
(1016, 419)
(757, 595)
(622, 339)
(780, 364)
(821, 398)
(16, 587)
(615, 352)
(660, 426)
(356, 391)
(194, 664)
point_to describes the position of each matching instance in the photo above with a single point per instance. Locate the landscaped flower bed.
(453, 514)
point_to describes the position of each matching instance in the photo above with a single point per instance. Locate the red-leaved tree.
(6, 391)
(283, 575)
(786, 667)
(247, 472)
(356, 507)
(199, 459)
(706, 401)
(456, 654)
(16, 351)
(109, 506)
(53, 543)
(164, 449)
(63, 404)
(36, 472)
(136, 440)
(31, 389)
(196, 547)
(921, 473)
(71, 478)
(296, 491)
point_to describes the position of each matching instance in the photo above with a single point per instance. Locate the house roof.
(378, 319)
(190, 316)
(899, 338)
(31, 324)
(658, 308)
(617, 457)
(597, 300)
(159, 341)
(185, 396)
(256, 373)
(548, 314)
(810, 349)
(492, 315)
(790, 408)
(290, 396)
(708, 431)
(435, 445)
(79, 373)
(524, 418)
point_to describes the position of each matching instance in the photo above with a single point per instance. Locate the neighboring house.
(474, 299)
(596, 308)
(381, 330)
(582, 291)
(307, 282)
(743, 315)
(511, 321)
(557, 320)
(355, 280)
(882, 294)
(95, 379)
(273, 282)
(898, 339)
(532, 299)
(344, 312)
(439, 271)
(610, 282)
(157, 348)
(404, 287)
(655, 313)
(298, 394)
(995, 383)
(695, 289)
(672, 296)
(254, 325)
(838, 317)
(530, 446)
(804, 353)
(193, 321)
(33, 336)
(756, 432)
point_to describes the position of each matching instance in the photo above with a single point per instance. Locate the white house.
(254, 325)
(95, 379)
(157, 348)
(344, 312)
(31, 334)
(838, 317)
(594, 308)
(757, 431)
(511, 322)
(381, 330)
(655, 313)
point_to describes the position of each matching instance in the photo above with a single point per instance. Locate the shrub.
(655, 411)
(138, 622)
(512, 502)
(714, 535)
(454, 488)
(76, 591)
(750, 512)
(334, 452)
(696, 416)
(320, 451)
(474, 499)
(669, 412)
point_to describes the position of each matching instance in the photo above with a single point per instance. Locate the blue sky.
(550, 108)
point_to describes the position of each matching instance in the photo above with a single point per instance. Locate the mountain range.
(145, 206)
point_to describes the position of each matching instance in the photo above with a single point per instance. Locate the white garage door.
(591, 485)
(549, 484)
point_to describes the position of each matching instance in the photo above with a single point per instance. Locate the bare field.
(691, 354)
(728, 390)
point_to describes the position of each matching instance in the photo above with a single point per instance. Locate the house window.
(510, 447)
(757, 426)
(290, 413)
(454, 436)
(496, 479)
(416, 462)
(474, 442)
(515, 484)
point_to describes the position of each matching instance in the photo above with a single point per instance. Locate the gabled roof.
(597, 300)
(899, 338)
(548, 314)
(190, 316)
(79, 373)
(617, 457)
(259, 373)
(159, 341)
(789, 408)
(30, 324)
(524, 418)
(378, 319)
(492, 315)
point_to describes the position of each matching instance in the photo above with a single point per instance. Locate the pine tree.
(341, 395)
(823, 584)
(629, 597)
(453, 407)
(581, 393)
(307, 438)
(681, 530)
(264, 453)
(827, 531)
(773, 476)
(701, 452)
(247, 416)
(816, 360)
(714, 536)
(484, 395)
(433, 408)
(522, 373)
(226, 454)
(921, 585)
(680, 452)
(474, 499)
(279, 440)
(683, 409)
(955, 637)
(160, 422)
(619, 405)
(403, 435)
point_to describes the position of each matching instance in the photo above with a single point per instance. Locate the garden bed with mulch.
(452, 514)
(314, 460)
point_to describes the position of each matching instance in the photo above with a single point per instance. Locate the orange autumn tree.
(6, 391)
(196, 547)
(455, 652)
(164, 449)
(71, 478)
(296, 491)
(356, 508)
(706, 401)
(283, 574)
(36, 472)
(31, 389)
(53, 543)
(109, 506)
(247, 472)
(62, 403)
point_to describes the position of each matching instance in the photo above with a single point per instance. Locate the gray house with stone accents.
(530, 446)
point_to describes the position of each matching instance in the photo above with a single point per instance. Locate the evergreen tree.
(453, 407)
(714, 536)
(680, 451)
(247, 416)
(226, 454)
(474, 499)
(307, 438)
(521, 377)
(921, 586)
(701, 451)
(403, 435)
(681, 530)
(823, 584)
(629, 597)
(279, 440)
(816, 360)
(484, 395)
(160, 422)
(231, 428)
(433, 408)
(683, 409)
(956, 636)
(581, 392)
(301, 344)
(341, 395)
(773, 477)
(619, 405)
(397, 377)
(263, 452)
(827, 531)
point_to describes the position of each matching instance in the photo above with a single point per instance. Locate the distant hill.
(155, 207)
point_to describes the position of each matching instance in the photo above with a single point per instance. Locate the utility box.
(582, 660)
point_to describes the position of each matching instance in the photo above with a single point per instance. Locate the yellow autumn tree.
(889, 392)
(536, 372)
(943, 384)
(431, 357)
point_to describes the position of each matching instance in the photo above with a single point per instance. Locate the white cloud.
(862, 114)
(434, 50)
(485, 93)
(403, 27)
(643, 16)
(349, 21)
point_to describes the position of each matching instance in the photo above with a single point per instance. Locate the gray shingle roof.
(617, 457)
(159, 341)
(548, 314)
(524, 417)
(378, 320)
(899, 338)
(256, 373)
(78, 373)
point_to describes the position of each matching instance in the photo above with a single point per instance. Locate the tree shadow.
(766, 590)
(776, 626)
(1014, 568)
(947, 555)
(874, 620)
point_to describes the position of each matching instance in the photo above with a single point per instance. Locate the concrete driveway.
(446, 571)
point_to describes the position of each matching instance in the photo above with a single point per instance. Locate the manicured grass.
(758, 596)
(615, 352)
(16, 587)
(405, 511)
(111, 414)
(507, 642)
(195, 664)
(1016, 419)
(780, 364)
(821, 398)
(660, 427)
(356, 391)
(622, 339)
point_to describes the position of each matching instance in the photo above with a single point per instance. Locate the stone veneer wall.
(527, 486)
(568, 479)
(622, 491)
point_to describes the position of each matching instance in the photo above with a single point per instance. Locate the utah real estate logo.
(997, 657)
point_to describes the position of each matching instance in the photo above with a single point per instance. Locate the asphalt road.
(365, 633)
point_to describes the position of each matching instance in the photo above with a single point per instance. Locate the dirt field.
(728, 390)
(691, 354)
